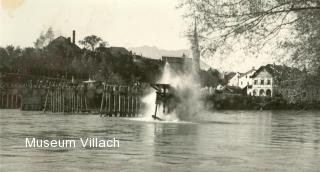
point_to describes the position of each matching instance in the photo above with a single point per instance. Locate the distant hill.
(156, 53)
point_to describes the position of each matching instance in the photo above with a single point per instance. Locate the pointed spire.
(195, 48)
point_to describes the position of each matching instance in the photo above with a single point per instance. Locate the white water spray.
(187, 91)
(186, 87)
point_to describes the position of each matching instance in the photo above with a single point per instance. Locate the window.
(262, 82)
(241, 83)
(268, 82)
(268, 92)
(255, 82)
(254, 93)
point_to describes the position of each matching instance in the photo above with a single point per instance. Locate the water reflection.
(223, 141)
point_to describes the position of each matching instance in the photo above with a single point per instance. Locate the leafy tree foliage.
(62, 59)
(91, 42)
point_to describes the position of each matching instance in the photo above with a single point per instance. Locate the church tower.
(195, 49)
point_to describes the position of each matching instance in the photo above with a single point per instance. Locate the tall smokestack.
(74, 37)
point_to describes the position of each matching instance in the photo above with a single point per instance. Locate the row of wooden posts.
(121, 101)
(113, 100)
(71, 99)
(9, 100)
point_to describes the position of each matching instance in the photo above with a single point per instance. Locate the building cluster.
(278, 80)
(178, 64)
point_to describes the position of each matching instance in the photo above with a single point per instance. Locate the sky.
(127, 23)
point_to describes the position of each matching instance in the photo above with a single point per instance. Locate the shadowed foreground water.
(239, 141)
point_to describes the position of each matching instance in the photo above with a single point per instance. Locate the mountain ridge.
(156, 53)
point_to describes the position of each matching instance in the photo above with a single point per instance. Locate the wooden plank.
(51, 100)
(128, 102)
(108, 105)
(7, 107)
(106, 99)
(15, 101)
(63, 101)
(119, 101)
(2, 100)
(114, 101)
(45, 102)
(102, 103)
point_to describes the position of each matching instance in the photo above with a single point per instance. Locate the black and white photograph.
(160, 85)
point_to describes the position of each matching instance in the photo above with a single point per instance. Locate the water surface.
(241, 141)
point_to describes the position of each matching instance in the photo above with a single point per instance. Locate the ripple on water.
(220, 141)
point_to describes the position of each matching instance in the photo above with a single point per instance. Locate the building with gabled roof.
(234, 79)
(241, 80)
(267, 79)
(64, 44)
(245, 78)
(118, 51)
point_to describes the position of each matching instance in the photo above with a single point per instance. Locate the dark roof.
(171, 59)
(278, 71)
(231, 75)
(233, 89)
(244, 74)
(116, 51)
(63, 42)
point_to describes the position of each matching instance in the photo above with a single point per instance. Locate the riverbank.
(244, 102)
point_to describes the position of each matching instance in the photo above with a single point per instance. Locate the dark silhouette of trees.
(65, 60)
(93, 41)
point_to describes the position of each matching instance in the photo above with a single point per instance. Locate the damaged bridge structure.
(56, 95)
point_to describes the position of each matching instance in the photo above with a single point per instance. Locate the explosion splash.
(186, 90)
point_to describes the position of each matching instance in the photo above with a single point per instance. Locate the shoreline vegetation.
(61, 60)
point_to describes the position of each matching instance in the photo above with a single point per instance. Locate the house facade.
(262, 84)
(269, 80)
(241, 80)
(245, 78)
(234, 81)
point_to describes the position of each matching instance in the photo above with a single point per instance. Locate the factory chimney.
(74, 37)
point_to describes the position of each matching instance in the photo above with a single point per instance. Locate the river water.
(241, 141)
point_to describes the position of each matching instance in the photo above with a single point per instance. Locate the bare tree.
(257, 21)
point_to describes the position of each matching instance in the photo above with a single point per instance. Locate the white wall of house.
(262, 85)
(245, 80)
(234, 81)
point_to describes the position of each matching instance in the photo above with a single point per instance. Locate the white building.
(242, 80)
(245, 78)
(234, 81)
(263, 84)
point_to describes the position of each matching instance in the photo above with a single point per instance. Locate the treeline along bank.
(57, 75)
(30, 76)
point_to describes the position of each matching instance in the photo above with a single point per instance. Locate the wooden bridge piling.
(119, 101)
(9, 99)
(116, 100)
